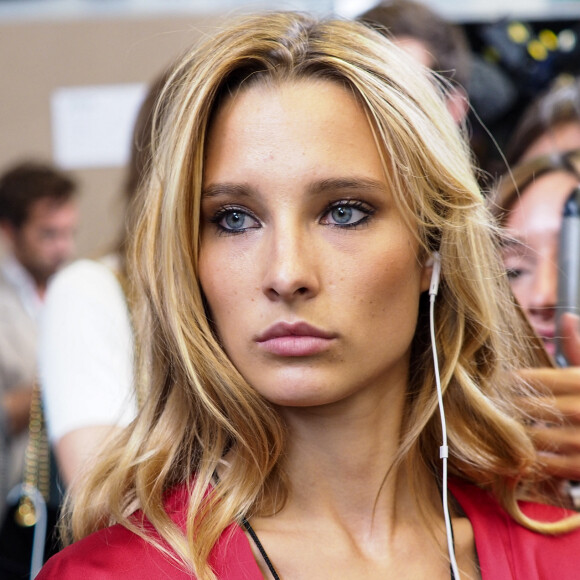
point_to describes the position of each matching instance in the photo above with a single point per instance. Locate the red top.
(116, 553)
(506, 550)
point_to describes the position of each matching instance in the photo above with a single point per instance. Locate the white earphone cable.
(444, 449)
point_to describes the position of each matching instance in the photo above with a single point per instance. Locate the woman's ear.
(427, 272)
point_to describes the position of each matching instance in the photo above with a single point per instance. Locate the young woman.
(550, 124)
(530, 205)
(305, 180)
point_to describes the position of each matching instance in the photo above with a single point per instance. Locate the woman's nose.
(544, 291)
(290, 270)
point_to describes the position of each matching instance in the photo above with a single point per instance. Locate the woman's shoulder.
(110, 553)
(504, 545)
(118, 553)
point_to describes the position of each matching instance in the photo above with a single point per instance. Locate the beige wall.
(36, 58)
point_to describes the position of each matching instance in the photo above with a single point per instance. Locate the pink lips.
(294, 339)
(547, 335)
(549, 343)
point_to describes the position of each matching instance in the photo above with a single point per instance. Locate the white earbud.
(435, 260)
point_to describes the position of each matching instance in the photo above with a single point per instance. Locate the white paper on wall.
(92, 126)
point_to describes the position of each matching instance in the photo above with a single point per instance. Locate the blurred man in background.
(38, 220)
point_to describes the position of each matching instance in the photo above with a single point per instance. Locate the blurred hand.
(557, 441)
(16, 407)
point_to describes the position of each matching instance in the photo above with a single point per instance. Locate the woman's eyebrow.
(513, 244)
(315, 188)
(227, 189)
(346, 183)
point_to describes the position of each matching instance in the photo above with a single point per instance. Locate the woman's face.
(532, 259)
(310, 273)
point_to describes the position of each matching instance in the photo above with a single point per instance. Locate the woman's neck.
(347, 502)
(340, 457)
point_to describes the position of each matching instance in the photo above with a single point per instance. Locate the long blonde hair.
(199, 408)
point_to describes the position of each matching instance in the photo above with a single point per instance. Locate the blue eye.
(347, 214)
(234, 220)
(341, 214)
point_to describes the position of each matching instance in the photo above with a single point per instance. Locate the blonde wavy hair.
(199, 409)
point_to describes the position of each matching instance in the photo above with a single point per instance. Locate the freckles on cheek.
(396, 280)
(223, 300)
(224, 283)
